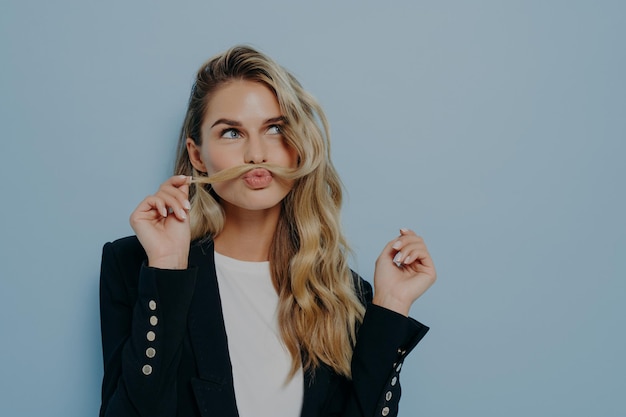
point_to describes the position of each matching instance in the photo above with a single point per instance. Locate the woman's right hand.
(161, 222)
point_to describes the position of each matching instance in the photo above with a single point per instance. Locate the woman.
(260, 314)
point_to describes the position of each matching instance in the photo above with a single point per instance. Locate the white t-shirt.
(259, 358)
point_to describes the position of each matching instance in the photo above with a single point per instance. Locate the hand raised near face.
(162, 225)
(404, 271)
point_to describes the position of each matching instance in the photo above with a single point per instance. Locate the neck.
(247, 235)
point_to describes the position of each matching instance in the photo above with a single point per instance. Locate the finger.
(179, 190)
(410, 250)
(399, 248)
(149, 209)
(160, 206)
(418, 257)
(417, 253)
(185, 190)
(177, 187)
(153, 203)
(394, 249)
(401, 242)
(172, 204)
(387, 253)
(178, 180)
(181, 182)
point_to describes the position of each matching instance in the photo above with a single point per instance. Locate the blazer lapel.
(213, 388)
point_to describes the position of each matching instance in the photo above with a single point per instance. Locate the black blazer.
(166, 354)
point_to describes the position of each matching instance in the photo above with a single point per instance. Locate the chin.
(252, 204)
(254, 200)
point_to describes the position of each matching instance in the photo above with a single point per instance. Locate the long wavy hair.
(319, 308)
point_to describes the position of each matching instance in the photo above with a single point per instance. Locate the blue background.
(496, 129)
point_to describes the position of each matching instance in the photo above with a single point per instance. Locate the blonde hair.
(319, 308)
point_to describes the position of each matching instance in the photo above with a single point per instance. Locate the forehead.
(242, 100)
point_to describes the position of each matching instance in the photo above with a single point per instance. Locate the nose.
(255, 152)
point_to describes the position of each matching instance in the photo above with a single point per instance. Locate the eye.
(231, 134)
(274, 130)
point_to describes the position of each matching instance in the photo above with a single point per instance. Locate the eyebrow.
(273, 120)
(229, 122)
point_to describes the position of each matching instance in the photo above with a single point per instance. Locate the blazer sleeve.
(143, 313)
(384, 340)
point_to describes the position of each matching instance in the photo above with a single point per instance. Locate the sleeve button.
(147, 369)
(152, 305)
(399, 367)
(385, 411)
(154, 320)
(388, 395)
(394, 380)
(150, 336)
(150, 352)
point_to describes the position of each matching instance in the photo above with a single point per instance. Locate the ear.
(194, 155)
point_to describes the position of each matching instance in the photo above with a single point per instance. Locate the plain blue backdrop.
(496, 129)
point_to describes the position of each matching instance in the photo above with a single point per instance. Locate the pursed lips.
(258, 178)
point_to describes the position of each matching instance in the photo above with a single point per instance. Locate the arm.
(384, 340)
(143, 314)
(143, 309)
(404, 271)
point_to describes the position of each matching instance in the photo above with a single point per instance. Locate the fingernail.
(182, 214)
(397, 245)
(407, 260)
(404, 229)
(397, 258)
(187, 204)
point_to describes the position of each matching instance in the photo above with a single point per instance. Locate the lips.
(257, 178)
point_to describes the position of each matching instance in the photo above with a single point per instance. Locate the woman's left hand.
(397, 287)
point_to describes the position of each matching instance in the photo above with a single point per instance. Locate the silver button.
(394, 380)
(399, 367)
(401, 352)
(385, 411)
(154, 320)
(150, 336)
(152, 305)
(150, 352)
(147, 369)
(388, 396)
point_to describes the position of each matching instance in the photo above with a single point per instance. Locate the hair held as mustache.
(281, 173)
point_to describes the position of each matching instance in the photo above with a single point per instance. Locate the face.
(243, 125)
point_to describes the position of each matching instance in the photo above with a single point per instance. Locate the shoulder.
(363, 288)
(122, 260)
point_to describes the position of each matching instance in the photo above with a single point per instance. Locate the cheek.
(214, 163)
(211, 167)
(219, 189)
(290, 157)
